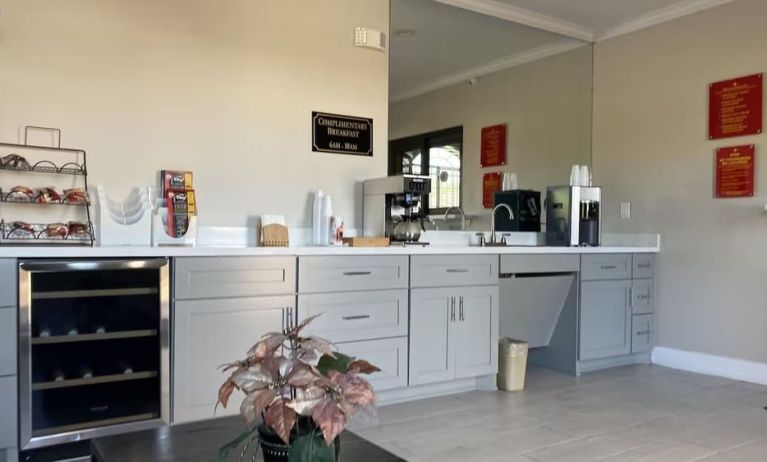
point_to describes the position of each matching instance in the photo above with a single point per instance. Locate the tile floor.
(634, 413)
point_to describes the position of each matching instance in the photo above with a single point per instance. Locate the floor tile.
(664, 451)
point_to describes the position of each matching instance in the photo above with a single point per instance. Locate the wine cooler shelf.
(97, 380)
(54, 339)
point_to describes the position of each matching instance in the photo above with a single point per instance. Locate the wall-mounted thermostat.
(369, 38)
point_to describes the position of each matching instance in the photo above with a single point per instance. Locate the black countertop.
(200, 441)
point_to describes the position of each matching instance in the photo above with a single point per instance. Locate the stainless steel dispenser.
(390, 200)
(573, 216)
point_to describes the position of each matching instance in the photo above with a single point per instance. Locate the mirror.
(454, 72)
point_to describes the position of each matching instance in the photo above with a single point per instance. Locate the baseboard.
(592, 365)
(702, 363)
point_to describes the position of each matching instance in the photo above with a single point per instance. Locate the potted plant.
(304, 391)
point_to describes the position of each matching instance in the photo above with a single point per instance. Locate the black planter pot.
(274, 449)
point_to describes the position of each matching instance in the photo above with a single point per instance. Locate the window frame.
(424, 142)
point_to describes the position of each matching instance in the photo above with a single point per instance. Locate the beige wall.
(546, 105)
(225, 89)
(651, 148)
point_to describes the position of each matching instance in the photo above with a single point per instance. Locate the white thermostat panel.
(369, 38)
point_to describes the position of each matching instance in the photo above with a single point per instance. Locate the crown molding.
(675, 11)
(496, 65)
(526, 17)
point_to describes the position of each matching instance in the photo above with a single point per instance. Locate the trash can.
(512, 364)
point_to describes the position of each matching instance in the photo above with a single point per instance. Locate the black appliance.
(526, 205)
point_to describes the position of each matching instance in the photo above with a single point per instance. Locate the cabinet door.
(476, 332)
(643, 327)
(389, 355)
(209, 333)
(8, 412)
(431, 348)
(605, 319)
(8, 282)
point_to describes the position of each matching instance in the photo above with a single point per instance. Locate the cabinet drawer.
(218, 277)
(339, 274)
(643, 296)
(605, 267)
(351, 316)
(453, 270)
(8, 282)
(390, 355)
(643, 333)
(8, 412)
(515, 264)
(644, 265)
(8, 336)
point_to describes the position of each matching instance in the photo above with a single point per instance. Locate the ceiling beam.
(526, 17)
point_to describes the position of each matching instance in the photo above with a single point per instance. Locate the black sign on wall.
(342, 134)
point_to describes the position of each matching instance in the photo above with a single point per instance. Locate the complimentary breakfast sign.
(342, 134)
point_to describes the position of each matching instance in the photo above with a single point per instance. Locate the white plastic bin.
(512, 364)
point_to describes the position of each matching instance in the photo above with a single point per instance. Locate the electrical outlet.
(625, 210)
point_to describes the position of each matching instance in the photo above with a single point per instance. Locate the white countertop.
(95, 252)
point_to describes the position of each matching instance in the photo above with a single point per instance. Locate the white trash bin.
(512, 364)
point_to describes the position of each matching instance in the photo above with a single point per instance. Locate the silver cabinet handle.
(608, 267)
(643, 297)
(452, 309)
(644, 332)
(357, 273)
(353, 318)
(644, 266)
(460, 309)
(288, 317)
(457, 270)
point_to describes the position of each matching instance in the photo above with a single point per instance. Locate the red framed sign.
(735, 167)
(735, 107)
(493, 149)
(491, 183)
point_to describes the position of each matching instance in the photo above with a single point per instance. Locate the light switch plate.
(369, 38)
(625, 210)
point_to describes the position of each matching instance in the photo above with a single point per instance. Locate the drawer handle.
(357, 273)
(608, 267)
(457, 270)
(644, 332)
(354, 318)
(643, 297)
(644, 266)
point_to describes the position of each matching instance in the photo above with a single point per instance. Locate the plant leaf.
(223, 452)
(307, 399)
(226, 390)
(301, 375)
(357, 390)
(246, 408)
(263, 400)
(267, 346)
(281, 418)
(310, 448)
(330, 418)
(296, 330)
(253, 378)
(338, 362)
(363, 367)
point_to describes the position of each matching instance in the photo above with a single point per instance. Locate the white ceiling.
(449, 42)
(456, 40)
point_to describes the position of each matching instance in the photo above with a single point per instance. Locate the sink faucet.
(463, 216)
(492, 222)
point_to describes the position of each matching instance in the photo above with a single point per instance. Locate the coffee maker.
(526, 207)
(573, 216)
(392, 206)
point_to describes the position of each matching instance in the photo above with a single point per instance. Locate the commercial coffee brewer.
(392, 206)
(573, 216)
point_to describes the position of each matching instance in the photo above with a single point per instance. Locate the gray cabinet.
(453, 270)
(389, 355)
(209, 333)
(353, 316)
(453, 333)
(476, 333)
(8, 282)
(220, 277)
(644, 266)
(605, 319)
(356, 273)
(8, 413)
(599, 267)
(642, 333)
(432, 315)
(643, 296)
(8, 341)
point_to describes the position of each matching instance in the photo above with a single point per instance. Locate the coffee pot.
(409, 228)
